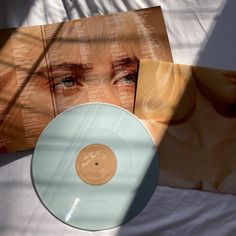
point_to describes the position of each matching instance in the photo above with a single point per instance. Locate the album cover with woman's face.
(45, 70)
(191, 113)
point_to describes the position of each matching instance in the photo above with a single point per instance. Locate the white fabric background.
(200, 32)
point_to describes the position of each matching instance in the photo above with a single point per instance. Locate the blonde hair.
(171, 97)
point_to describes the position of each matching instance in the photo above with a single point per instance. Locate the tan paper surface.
(47, 69)
(191, 112)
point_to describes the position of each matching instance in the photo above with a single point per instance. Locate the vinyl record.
(95, 166)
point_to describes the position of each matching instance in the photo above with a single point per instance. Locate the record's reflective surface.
(95, 166)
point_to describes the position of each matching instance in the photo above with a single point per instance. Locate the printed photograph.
(45, 70)
(191, 113)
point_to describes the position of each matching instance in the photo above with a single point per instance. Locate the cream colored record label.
(96, 164)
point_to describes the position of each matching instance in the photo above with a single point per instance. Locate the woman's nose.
(103, 89)
(111, 95)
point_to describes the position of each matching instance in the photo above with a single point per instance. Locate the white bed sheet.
(200, 32)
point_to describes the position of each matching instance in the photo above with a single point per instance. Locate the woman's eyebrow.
(74, 67)
(124, 62)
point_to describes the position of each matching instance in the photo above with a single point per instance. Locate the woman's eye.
(68, 81)
(131, 78)
(128, 79)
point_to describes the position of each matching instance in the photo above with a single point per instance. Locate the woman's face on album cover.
(111, 81)
(94, 61)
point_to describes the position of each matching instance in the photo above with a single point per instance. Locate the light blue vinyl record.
(95, 166)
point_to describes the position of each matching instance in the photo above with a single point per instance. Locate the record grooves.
(95, 166)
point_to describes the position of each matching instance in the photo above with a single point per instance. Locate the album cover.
(191, 113)
(45, 70)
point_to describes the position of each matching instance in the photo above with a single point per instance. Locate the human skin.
(66, 64)
(103, 84)
(94, 60)
(203, 146)
(219, 88)
(108, 84)
(27, 105)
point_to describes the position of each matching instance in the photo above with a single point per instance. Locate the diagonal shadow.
(10, 10)
(218, 52)
(7, 158)
(214, 42)
(31, 72)
(18, 19)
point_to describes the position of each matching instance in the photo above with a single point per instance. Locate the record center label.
(96, 164)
